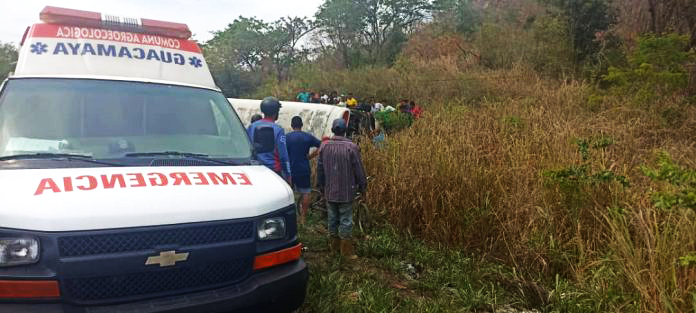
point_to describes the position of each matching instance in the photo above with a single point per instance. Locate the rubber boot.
(347, 249)
(334, 244)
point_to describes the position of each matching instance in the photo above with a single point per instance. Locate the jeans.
(340, 219)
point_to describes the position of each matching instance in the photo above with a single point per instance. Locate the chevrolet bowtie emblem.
(166, 258)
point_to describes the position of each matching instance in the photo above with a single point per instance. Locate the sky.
(202, 16)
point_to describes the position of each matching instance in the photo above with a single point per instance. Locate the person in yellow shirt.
(352, 103)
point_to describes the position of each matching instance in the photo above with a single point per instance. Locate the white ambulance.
(127, 182)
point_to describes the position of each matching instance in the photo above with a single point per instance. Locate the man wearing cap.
(299, 144)
(341, 175)
(269, 140)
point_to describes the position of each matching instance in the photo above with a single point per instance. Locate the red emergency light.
(62, 16)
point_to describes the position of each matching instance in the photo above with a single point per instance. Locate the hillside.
(562, 153)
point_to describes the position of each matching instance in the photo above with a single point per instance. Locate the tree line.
(358, 32)
(575, 38)
(566, 37)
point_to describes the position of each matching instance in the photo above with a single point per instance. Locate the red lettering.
(200, 177)
(92, 182)
(245, 180)
(226, 179)
(180, 177)
(46, 184)
(162, 179)
(67, 184)
(110, 184)
(87, 182)
(139, 179)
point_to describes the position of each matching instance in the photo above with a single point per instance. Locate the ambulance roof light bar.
(70, 17)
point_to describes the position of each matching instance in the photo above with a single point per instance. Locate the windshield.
(111, 119)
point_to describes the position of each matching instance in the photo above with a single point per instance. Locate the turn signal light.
(278, 257)
(24, 289)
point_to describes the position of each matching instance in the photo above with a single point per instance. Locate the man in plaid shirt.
(341, 175)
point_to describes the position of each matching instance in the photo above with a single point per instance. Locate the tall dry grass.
(473, 176)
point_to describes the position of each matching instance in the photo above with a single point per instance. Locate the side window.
(223, 125)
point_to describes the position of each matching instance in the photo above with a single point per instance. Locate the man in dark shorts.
(299, 143)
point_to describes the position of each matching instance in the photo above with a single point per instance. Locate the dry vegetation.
(478, 177)
(493, 168)
(518, 160)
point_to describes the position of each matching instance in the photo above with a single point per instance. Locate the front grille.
(94, 244)
(140, 285)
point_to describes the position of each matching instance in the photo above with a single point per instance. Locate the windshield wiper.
(196, 156)
(57, 156)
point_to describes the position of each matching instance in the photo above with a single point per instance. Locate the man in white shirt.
(377, 107)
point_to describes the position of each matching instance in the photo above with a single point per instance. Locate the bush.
(656, 69)
(503, 46)
(554, 50)
(394, 121)
(678, 185)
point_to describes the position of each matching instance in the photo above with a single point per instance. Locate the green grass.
(398, 273)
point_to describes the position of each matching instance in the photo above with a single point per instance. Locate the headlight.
(272, 228)
(18, 251)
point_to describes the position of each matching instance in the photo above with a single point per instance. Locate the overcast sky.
(202, 16)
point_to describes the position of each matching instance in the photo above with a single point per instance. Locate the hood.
(104, 198)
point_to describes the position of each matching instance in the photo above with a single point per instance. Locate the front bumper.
(279, 289)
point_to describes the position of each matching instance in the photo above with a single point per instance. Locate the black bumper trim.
(279, 289)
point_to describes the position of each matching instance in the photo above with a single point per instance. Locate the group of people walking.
(340, 173)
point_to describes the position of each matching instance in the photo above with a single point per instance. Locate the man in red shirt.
(416, 110)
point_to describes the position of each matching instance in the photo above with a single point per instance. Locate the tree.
(249, 51)
(8, 59)
(370, 27)
(656, 68)
(652, 8)
(673, 16)
(341, 22)
(462, 14)
(241, 44)
(586, 18)
(388, 21)
(285, 36)
(657, 17)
